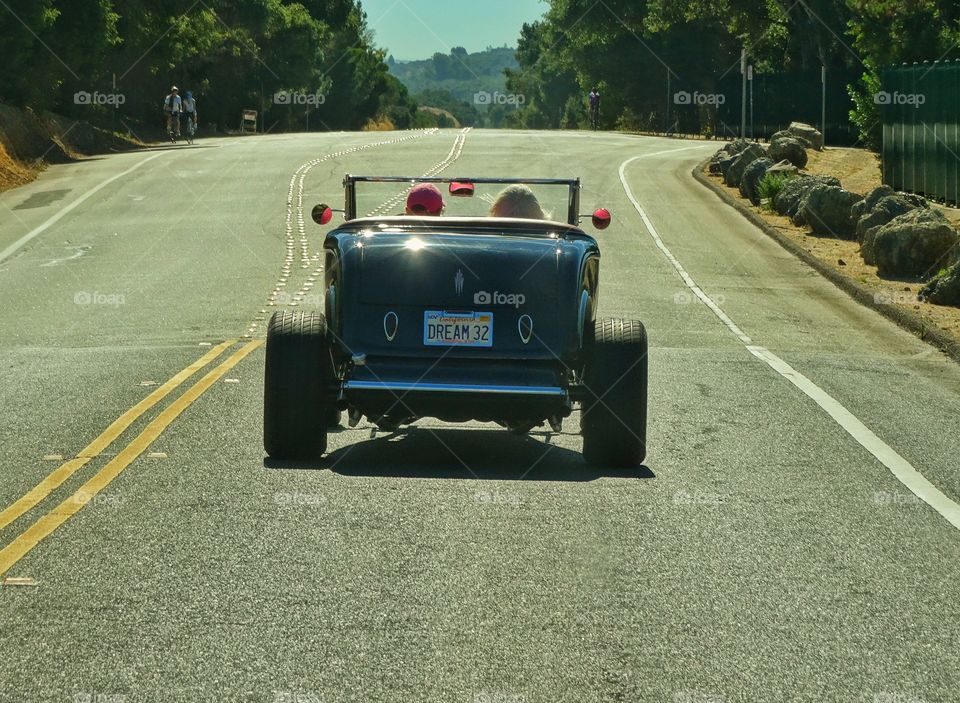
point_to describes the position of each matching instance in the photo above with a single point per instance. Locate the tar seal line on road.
(13, 248)
(105, 439)
(47, 524)
(884, 453)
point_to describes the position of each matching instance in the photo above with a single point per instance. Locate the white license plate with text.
(442, 328)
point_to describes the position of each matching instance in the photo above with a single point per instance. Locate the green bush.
(769, 186)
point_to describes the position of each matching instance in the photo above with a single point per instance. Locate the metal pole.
(666, 126)
(750, 78)
(823, 103)
(743, 93)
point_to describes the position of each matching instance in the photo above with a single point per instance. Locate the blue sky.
(416, 29)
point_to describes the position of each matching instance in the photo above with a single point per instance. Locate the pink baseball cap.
(425, 199)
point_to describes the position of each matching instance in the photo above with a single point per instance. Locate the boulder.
(945, 289)
(745, 158)
(783, 168)
(789, 149)
(791, 195)
(913, 244)
(751, 179)
(871, 199)
(721, 161)
(913, 199)
(887, 208)
(826, 209)
(804, 132)
(736, 146)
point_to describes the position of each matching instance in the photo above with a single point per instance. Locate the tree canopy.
(232, 54)
(632, 50)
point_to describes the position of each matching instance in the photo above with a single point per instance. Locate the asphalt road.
(764, 553)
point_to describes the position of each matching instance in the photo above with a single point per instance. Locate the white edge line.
(902, 469)
(12, 249)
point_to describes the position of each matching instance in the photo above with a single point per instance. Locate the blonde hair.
(517, 201)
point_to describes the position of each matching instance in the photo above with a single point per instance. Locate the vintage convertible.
(457, 318)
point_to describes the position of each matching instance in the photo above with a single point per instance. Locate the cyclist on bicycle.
(172, 105)
(594, 99)
(190, 110)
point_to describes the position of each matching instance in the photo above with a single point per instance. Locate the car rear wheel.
(613, 417)
(299, 381)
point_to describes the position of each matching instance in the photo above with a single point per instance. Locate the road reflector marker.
(19, 581)
(104, 440)
(231, 380)
(148, 384)
(52, 457)
(157, 455)
(206, 344)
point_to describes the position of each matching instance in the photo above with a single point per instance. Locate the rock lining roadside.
(906, 319)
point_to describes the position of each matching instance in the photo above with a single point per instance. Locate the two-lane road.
(772, 549)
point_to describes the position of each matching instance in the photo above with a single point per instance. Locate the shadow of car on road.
(418, 452)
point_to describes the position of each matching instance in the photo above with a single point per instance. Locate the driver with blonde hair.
(517, 201)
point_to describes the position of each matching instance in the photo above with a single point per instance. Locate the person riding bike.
(172, 106)
(190, 110)
(594, 99)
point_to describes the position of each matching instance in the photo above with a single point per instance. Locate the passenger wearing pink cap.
(424, 199)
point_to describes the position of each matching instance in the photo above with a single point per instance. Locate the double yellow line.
(47, 524)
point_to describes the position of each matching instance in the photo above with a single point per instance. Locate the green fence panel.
(920, 111)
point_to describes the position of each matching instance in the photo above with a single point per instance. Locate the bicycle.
(594, 116)
(191, 127)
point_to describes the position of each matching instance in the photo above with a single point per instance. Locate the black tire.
(299, 386)
(613, 417)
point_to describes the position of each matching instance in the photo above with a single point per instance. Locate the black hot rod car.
(457, 318)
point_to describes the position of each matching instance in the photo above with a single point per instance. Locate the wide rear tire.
(613, 417)
(299, 386)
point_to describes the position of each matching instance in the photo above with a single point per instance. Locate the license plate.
(457, 329)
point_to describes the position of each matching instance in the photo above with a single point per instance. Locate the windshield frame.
(350, 189)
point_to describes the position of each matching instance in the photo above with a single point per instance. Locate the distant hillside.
(459, 73)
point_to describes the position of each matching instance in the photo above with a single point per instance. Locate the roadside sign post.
(823, 103)
(666, 126)
(743, 93)
(248, 122)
